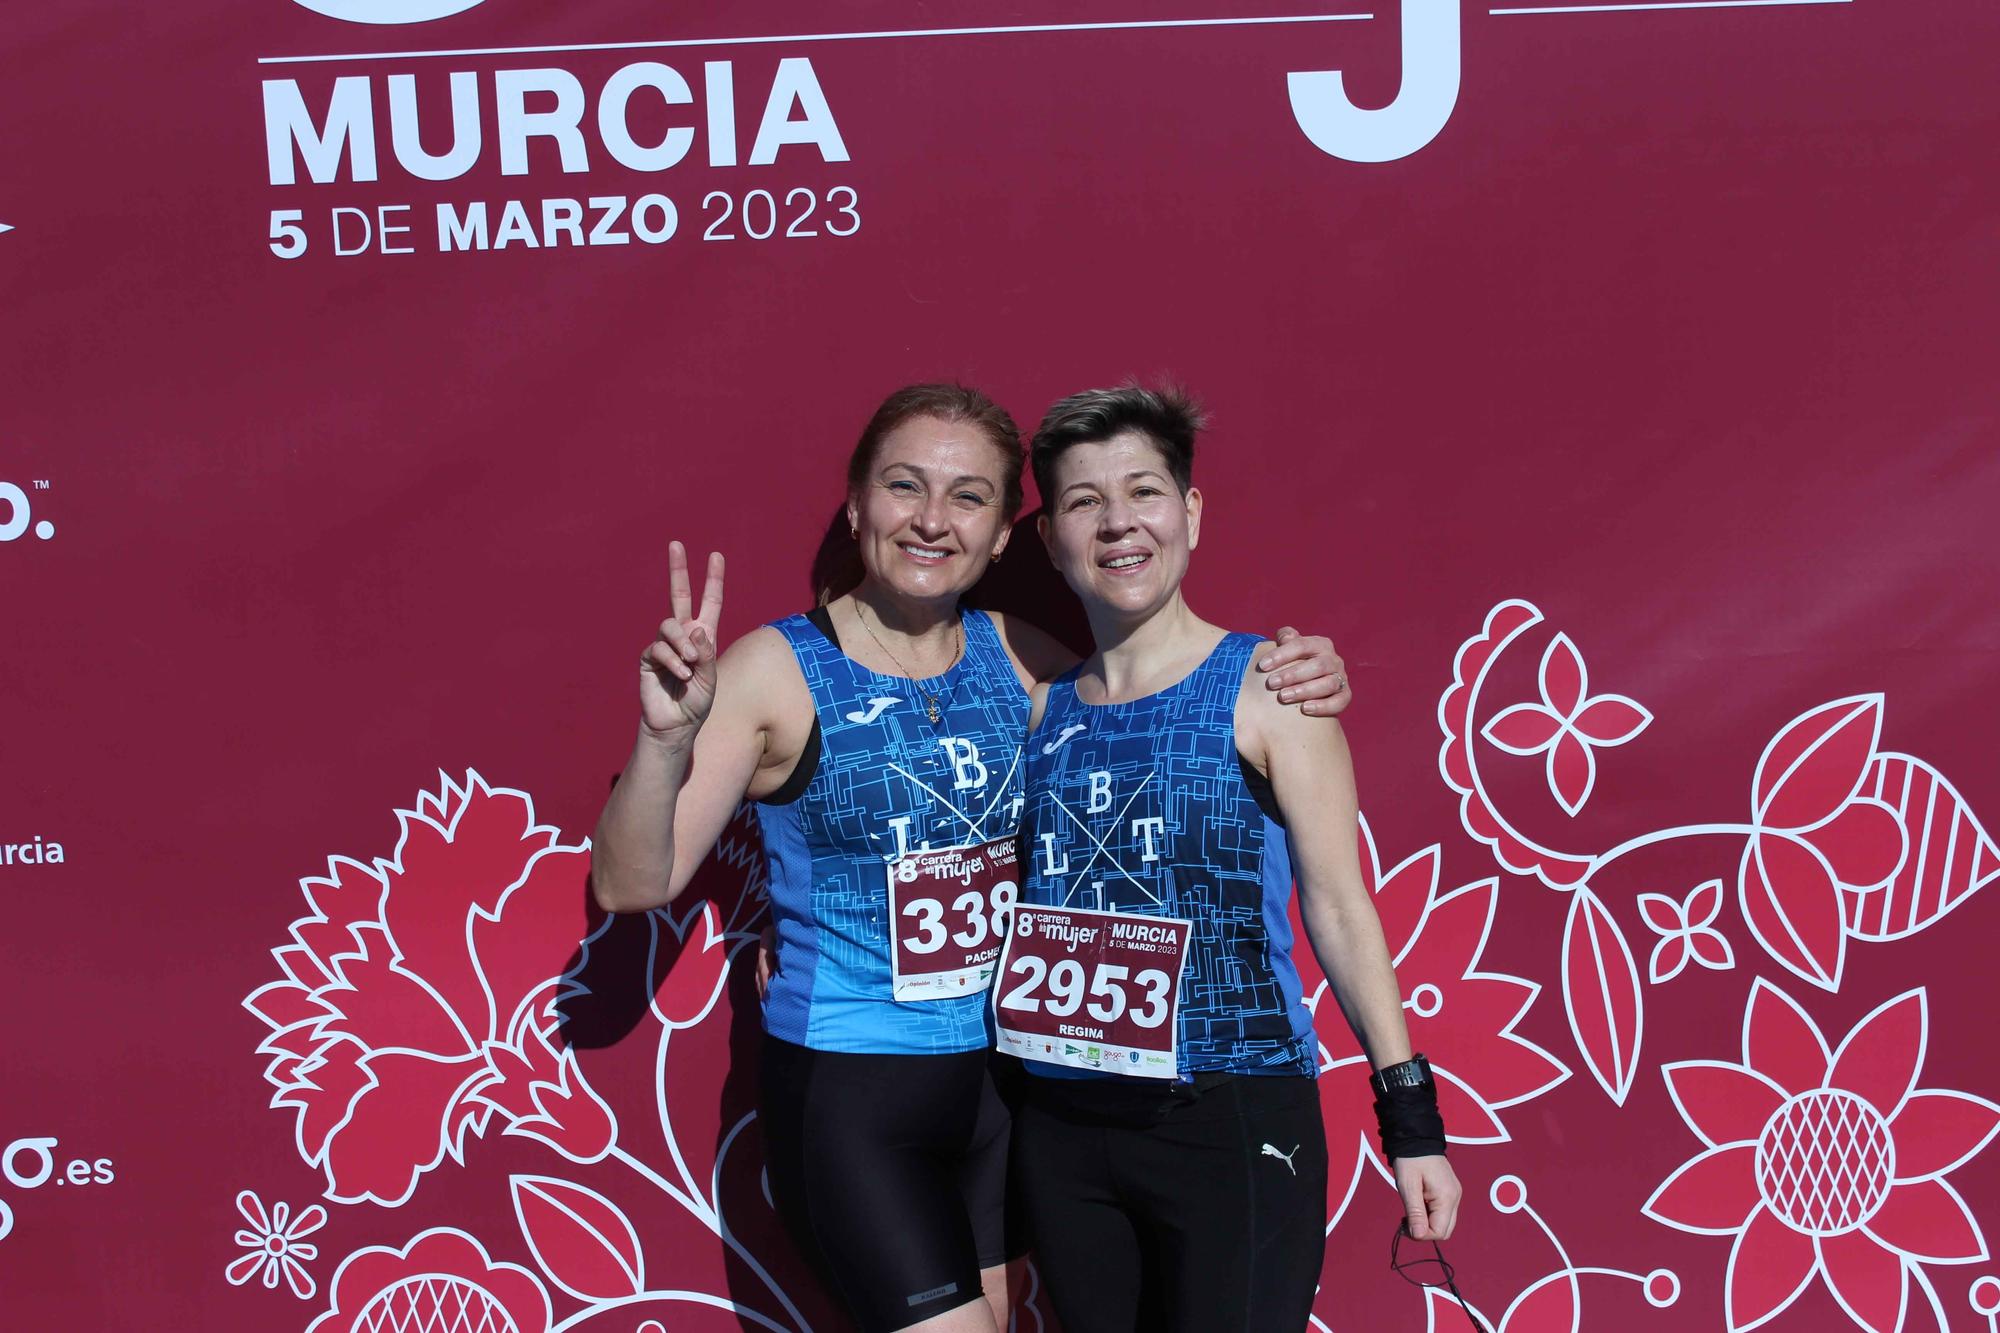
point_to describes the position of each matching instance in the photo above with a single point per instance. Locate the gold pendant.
(934, 711)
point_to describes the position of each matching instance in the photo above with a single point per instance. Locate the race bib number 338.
(948, 914)
(1092, 990)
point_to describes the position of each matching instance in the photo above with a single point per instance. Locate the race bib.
(947, 917)
(1092, 990)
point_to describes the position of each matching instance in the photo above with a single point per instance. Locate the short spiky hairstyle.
(1169, 416)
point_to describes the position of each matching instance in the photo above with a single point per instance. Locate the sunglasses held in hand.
(1422, 1263)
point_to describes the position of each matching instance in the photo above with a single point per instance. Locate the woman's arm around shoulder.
(1299, 669)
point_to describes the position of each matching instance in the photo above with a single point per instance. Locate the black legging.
(1191, 1213)
(890, 1171)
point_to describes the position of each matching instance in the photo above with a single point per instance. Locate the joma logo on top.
(795, 112)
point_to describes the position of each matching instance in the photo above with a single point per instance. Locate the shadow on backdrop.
(652, 980)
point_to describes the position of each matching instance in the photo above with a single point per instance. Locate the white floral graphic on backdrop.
(277, 1245)
(1826, 1164)
(421, 1007)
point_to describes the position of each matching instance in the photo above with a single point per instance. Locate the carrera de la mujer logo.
(388, 11)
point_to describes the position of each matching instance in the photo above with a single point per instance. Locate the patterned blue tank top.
(889, 782)
(1144, 807)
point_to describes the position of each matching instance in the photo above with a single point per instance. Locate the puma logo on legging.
(1285, 1157)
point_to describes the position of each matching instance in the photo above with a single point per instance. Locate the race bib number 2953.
(947, 915)
(1092, 990)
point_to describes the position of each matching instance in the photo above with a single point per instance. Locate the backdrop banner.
(1614, 383)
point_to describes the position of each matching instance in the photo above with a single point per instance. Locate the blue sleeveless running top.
(888, 782)
(1146, 807)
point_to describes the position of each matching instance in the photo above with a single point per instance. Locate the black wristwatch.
(1412, 1073)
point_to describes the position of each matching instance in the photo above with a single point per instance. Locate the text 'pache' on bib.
(1092, 990)
(947, 917)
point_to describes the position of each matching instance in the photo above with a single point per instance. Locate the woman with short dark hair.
(1170, 1150)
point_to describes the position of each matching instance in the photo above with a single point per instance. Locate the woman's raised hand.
(677, 670)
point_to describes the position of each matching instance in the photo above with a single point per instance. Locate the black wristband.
(1406, 1110)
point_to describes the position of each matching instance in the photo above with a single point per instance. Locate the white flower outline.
(1676, 923)
(274, 1245)
(1724, 1190)
(1566, 723)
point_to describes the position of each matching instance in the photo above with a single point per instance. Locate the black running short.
(890, 1171)
(1156, 1210)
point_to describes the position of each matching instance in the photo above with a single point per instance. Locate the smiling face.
(929, 518)
(1117, 526)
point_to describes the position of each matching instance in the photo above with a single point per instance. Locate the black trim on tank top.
(822, 620)
(807, 767)
(1260, 790)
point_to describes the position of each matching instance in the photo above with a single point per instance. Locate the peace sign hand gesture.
(677, 670)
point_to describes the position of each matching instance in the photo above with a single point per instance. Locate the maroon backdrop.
(1619, 396)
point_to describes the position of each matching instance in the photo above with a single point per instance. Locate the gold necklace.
(932, 709)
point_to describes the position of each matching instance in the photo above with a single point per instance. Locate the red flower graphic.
(1461, 1017)
(1815, 835)
(1568, 725)
(1687, 932)
(541, 1092)
(418, 997)
(1825, 1165)
(441, 1282)
(1459, 765)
